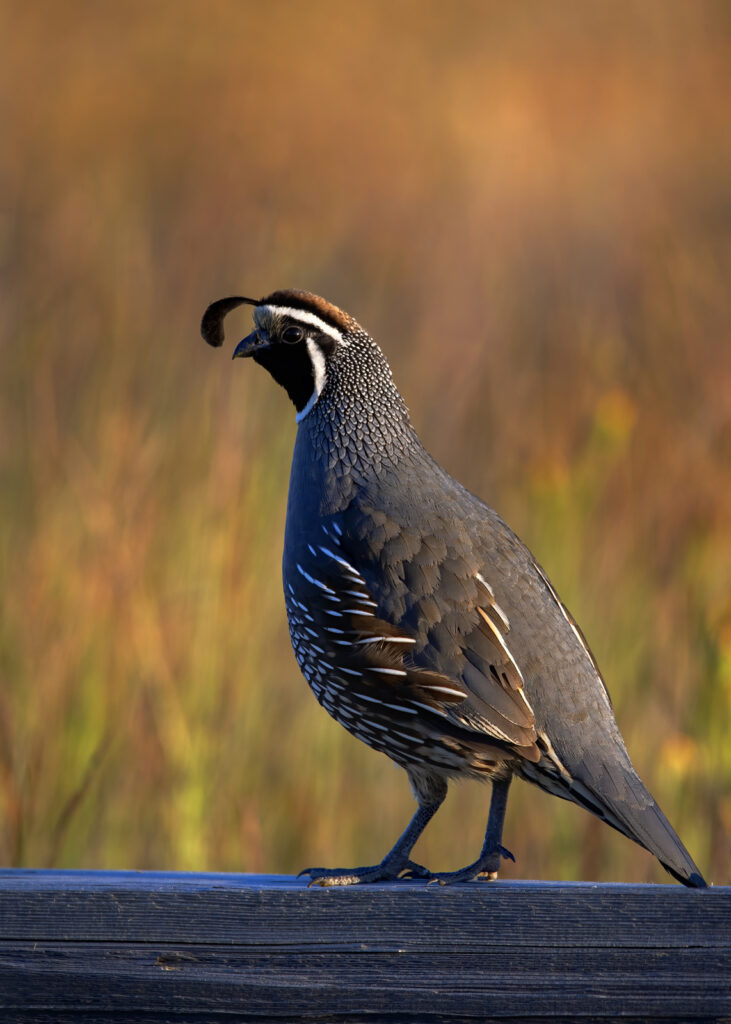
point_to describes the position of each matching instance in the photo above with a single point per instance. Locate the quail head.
(419, 619)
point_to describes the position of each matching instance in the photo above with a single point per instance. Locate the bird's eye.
(291, 335)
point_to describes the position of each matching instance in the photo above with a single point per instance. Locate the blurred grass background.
(529, 207)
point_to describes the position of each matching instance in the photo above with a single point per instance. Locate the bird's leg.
(488, 863)
(396, 862)
(492, 849)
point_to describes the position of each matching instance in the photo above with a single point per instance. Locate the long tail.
(642, 820)
(617, 795)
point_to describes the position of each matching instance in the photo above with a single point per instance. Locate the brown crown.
(313, 304)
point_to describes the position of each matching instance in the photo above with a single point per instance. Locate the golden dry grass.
(529, 206)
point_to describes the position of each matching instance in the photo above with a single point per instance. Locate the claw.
(383, 872)
(484, 869)
(412, 870)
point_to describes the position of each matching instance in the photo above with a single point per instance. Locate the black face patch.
(291, 367)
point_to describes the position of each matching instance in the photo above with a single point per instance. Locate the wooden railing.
(144, 947)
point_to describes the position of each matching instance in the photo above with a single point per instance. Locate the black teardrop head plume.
(212, 322)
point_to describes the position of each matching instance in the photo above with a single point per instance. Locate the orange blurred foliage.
(528, 205)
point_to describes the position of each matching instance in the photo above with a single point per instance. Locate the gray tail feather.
(633, 811)
(642, 820)
(618, 796)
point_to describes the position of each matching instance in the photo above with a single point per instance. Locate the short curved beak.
(248, 346)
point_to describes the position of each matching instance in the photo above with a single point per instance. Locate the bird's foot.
(387, 871)
(484, 869)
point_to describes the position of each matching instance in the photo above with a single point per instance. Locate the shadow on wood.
(139, 947)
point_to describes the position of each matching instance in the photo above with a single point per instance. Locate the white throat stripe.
(318, 372)
(305, 317)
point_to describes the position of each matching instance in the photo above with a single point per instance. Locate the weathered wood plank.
(126, 946)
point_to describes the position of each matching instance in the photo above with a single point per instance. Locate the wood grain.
(128, 946)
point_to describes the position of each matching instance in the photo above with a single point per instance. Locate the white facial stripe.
(305, 317)
(318, 372)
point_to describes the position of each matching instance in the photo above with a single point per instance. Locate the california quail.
(420, 621)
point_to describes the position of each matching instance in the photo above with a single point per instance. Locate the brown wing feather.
(379, 659)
